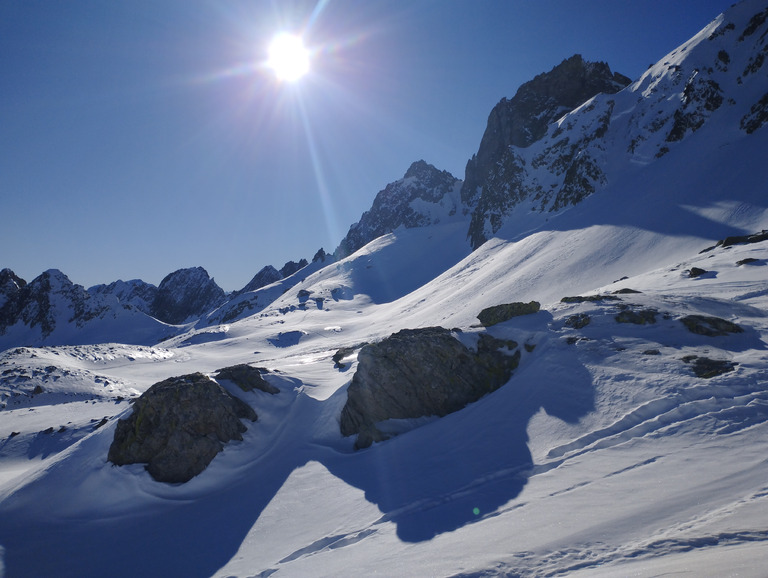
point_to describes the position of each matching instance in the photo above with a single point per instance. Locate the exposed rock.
(701, 97)
(178, 426)
(710, 326)
(48, 298)
(135, 293)
(421, 372)
(247, 377)
(626, 291)
(339, 356)
(321, 256)
(589, 298)
(739, 240)
(706, 368)
(694, 272)
(578, 321)
(500, 313)
(266, 276)
(292, 267)
(757, 117)
(419, 199)
(747, 261)
(10, 285)
(495, 177)
(639, 317)
(186, 294)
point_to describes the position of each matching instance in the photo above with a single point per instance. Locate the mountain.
(185, 295)
(424, 196)
(52, 310)
(629, 440)
(136, 293)
(569, 133)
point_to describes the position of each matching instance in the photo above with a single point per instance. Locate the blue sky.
(140, 137)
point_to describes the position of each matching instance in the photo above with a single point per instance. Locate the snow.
(604, 455)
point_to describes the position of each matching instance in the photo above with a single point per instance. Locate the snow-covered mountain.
(52, 310)
(630, 439)
(529, 163)
(424, 196)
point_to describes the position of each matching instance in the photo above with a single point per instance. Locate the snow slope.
(604, 455)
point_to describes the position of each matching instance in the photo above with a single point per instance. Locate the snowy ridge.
(715, 82)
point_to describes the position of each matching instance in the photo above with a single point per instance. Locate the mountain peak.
(424, 196)
(186, 293)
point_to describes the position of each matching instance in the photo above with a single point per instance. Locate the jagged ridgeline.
(565, 135)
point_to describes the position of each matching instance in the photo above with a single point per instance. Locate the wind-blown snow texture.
(604, 455)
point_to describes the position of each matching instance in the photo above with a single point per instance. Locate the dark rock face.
(10, 286)
(247, 378)
(400, 204)
(184, 294)
(48, 297)
(321, 256)
(291, 267)
(495, 178)
(709, 326)
(707, 368)
(266, 276)
(500, 313)
(178, 426)
(638, 317)
(421, 372)
(135, 293)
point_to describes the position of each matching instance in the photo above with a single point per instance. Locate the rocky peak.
(524, 119)
(10, 285)
(292, 266)
(136, 293)
(424, 196)
(266, 276)
(46, 300)
(184, 294)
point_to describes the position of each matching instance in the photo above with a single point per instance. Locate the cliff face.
(495, 177)
(424, 196)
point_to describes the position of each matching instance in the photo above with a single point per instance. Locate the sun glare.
(288, 57)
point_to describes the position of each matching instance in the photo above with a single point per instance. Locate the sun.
(288, 57)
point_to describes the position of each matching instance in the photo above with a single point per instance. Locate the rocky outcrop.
(178, 426)
(421, 372)
(292, 267)
(496, 177)
(10, 286)
(506, 311)
(266, 276)
(186, 294)
(709, 325)
(424, 196)
(247, 377)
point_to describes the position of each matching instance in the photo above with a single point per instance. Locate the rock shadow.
(466, 465)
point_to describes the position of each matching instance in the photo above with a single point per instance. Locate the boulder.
(707, 368)
(421, 372)
(709, 326)
(178, 426)
(500, 313)
(247, 377)
(639, 317)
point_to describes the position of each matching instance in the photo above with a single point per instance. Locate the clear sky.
(140, 137)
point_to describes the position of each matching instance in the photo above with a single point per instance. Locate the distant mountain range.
(565, 135)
